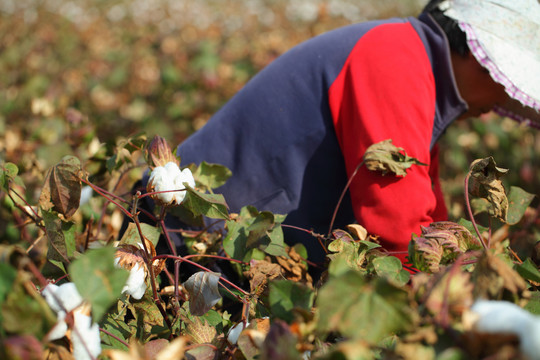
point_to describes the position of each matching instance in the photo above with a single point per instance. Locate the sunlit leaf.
(253, 230)
(210, 205)
(388, 158)
(533, 305)
(203, 291)
(8, 172)
(211, 176)
(132, 237)
(147, 315)
(97, 279)
(392, 269)
(518, 201)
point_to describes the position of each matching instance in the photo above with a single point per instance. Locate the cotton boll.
(86, 195)
(235, 331)
(135, 284)
(161, 181)
(507, 318)
(187, 177)
(169, 177)
(85, 334)
(184, 177)
(85, 338)
(59, 330)
(65, 297)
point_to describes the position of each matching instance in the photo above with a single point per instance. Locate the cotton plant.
(82, 332)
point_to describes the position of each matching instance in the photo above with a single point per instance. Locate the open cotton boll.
(235, 331)
(161, 181)
(504, 317)
(85, 338)
(64, 298)
(169, 177)
(59, 330)
(135, 284)
(85, 335)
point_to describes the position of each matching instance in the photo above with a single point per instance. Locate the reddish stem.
(343, 195)
(469, 210)
(181, 259)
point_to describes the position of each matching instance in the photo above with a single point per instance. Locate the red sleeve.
(386, 90)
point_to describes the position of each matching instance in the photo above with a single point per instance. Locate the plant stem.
(469, 210)
(181, 259)
(342, 196)
(319, 237)
(114, 337)
(149, 264)
(107, 195)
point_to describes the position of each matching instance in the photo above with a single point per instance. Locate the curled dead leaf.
(388, 158)
(486, 183)
(259, 273)
(61, 191)
(203, 291)
(357, 231)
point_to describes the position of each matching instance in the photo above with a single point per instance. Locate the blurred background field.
(75, 75)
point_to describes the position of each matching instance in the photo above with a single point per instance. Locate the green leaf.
(147, 316)
(518, 201)
(528, 270)
(254, 230)
(132, 236)
(391, 268)
(61, 235)
(234, 243)
(533, 305)
(211, 176)
(363, 310)
(118, 328)
(210, 205)
(97, 279)
(7, 278)
(388, 158)
(8, 172)
(286, 295)
(25, 312)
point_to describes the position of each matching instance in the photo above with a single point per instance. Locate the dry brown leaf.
(492, 276)
(259, 273)
(295, 269)
(357, 231)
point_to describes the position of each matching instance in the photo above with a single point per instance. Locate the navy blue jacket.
(281, 136)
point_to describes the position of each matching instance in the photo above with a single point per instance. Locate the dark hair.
(456, 37)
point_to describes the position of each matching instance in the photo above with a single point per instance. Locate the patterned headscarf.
(504, 37)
